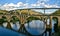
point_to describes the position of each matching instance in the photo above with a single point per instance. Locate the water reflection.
(5, 24)
(7, 32)
(53, 25)
(53, 22)
(36, 27)
(47, 33)
(48, 21)
(15, 25)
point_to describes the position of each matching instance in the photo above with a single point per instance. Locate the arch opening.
(36, 25)
(54, 24)
(4, 21)
(15, 23)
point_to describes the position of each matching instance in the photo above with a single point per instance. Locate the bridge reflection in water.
(35, 28)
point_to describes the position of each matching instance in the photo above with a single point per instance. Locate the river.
(36, 27)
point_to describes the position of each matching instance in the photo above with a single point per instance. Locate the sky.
(22, 4)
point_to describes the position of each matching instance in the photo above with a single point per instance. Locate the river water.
(36, 27)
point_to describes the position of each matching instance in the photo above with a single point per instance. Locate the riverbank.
(56, 33)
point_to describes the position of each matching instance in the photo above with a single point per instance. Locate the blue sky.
(51, 2)
(21, 4)
(11, 1)
(29, 1)
(16, 1)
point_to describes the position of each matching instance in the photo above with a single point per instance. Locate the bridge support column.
(22, 29)
(46, 23)
(22, 19)
(8, 26)
(58, 22)
(50, 22)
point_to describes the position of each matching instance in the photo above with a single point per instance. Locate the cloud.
(12, 6)
(51, 6)
(7, 6)
(21, 5)
(42, 1)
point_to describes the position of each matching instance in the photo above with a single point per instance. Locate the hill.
(56, 12)
(3, 11)
(26, 12)
(30, 12)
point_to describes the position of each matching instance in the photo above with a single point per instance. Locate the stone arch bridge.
(23, 18)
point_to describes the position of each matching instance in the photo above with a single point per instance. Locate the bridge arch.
(15, 22)
(30, 19)
(55, 19)
(55, 23)
(4, 21)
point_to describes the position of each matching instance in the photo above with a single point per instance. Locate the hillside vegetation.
(26, 12)
(56, 12)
